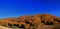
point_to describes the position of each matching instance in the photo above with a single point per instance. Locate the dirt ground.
(1, 27)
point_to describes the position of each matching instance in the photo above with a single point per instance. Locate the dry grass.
(1, 27)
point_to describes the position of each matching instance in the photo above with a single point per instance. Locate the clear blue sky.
(15, 8)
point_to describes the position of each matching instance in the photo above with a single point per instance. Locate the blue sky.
(15, 8)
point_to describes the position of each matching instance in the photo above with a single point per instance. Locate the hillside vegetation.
(38, 21)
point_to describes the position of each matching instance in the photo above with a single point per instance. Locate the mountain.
(30, 21)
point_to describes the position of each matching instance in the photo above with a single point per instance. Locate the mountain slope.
(31, 22)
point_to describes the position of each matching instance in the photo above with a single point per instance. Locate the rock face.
(33, 21)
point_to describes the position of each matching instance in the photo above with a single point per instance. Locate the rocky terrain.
(38, 21)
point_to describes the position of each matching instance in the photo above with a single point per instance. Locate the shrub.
(6, 25)
(14, 27)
